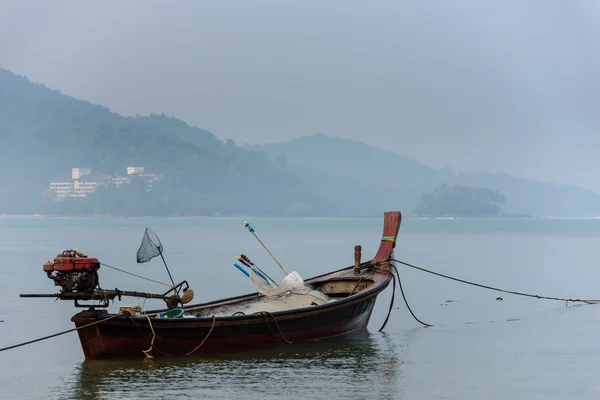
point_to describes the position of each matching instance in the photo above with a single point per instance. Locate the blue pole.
(261, 275)
(238, 266)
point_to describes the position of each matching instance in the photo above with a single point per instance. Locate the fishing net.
(150, 247)
(292, 283)
(291, 293)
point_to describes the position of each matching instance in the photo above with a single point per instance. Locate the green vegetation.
(43, 134)
(460, 201)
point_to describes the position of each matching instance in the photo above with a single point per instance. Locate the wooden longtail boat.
(354, 291)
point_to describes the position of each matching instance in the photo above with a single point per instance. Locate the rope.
(588, 301)
(356, 286)
(59, 333)
(393, 294)
(269, 325)
(391, 302)
(147, 352)
(206, 337)
(137, 276)
(264, 314)
(404, 297)
(145, 338)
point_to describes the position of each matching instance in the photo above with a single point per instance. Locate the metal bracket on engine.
(92, 307)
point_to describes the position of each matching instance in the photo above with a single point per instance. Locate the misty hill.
(404, 180)
(460, 201)
(360, 177)
(44, 134)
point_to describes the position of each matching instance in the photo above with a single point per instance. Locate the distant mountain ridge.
(406, 179)
(43, 134)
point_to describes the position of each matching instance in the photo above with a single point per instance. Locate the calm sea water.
(478, 347)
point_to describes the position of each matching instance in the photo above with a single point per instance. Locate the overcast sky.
(508, 86)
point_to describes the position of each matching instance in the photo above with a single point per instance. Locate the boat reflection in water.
(358, 365)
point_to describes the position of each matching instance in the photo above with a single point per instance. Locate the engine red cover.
(76, 264)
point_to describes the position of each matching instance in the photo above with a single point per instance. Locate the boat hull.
(110, 336)
(127, 337)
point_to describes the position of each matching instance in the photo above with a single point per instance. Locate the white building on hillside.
(83, 188)
(135, 170)
(83, 182)
(61, 189)
(139, 172)
(78, 173)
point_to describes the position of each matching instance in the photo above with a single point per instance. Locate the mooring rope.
(387, 317)
(60, 333)
(399, 282)
(588, 301)
(137, 276)
(406, 301)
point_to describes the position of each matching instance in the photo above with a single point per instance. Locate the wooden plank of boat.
(354, 290)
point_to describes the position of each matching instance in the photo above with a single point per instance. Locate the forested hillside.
(44, 134)
(460, 201)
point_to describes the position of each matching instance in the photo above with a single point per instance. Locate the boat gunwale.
(378, 287)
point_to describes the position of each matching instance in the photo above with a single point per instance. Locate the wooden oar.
(251, 229)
